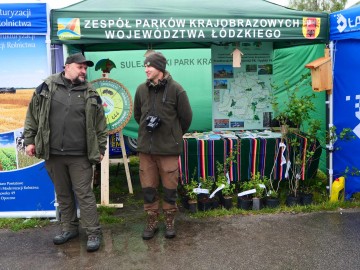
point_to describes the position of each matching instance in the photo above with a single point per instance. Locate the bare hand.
(101, 157)
(30, 150)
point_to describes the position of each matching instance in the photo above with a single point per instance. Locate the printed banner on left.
(23, 18)
(26, 189)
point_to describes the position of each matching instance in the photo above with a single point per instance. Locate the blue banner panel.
(23, 18)
(347, 112)
(28, 189)
(345, 24)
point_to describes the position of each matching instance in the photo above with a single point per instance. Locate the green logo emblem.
(117, 103)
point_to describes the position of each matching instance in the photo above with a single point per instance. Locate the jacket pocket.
(93, 147)
(39, 143)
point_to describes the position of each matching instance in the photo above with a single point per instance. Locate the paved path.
(326, 240)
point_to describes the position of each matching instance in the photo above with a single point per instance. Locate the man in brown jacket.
(163, 112)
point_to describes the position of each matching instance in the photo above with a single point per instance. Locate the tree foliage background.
(318, 5)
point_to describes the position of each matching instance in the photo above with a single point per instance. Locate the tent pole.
(49, 72)
(331, 123)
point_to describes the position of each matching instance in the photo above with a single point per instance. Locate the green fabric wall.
(189, 67)
(289, 66)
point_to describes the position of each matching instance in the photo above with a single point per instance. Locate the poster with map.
(242, 95)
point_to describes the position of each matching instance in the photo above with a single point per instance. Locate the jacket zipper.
(62, 139)
(151, 136)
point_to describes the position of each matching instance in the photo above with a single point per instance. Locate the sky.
(64, 3)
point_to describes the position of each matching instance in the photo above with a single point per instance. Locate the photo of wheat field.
(13, 109)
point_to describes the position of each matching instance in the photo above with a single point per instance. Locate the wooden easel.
(105, 174)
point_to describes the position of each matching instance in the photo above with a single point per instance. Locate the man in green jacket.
(163, 112)
(65, 125)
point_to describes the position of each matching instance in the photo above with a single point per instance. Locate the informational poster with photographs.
(242, 94)
(26, 189)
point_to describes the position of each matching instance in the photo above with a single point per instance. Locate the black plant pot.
(244, 203)
(205, 204)
(272, 202)
(203, 196)
(292, 200)
(215, 203)
(227, 202)
(306, 198)
(192, 207)
(185, 202)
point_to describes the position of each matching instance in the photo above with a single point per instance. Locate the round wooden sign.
(117, 103)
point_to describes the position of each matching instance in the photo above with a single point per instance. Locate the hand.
(101, 157)
(30, 150)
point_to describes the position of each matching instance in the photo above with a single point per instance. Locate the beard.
(78, 80)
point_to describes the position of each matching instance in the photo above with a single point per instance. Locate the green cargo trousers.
(72, 176)
(152, 169)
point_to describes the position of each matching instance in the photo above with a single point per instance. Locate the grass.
(107, 215)
(325, 206)
(15, 224)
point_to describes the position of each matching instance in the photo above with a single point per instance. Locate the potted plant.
(244, 200)
(191, 195)
(226, 189)
(259, 186)
(297, 111)
(204, 201)
(227, 194)
(252, 193)
(272, 199)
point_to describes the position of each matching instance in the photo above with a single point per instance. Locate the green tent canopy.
(101, 27)
(94, 25)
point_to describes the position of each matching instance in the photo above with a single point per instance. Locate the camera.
(152, 123)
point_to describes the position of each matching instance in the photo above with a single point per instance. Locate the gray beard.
(77, 81)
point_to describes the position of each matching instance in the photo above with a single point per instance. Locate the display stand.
(105, 182)
(124, 160)
(105, 175)
(126, 163)
(117, 103)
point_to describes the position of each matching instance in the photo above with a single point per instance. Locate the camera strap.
(162, 100)
(165, 93)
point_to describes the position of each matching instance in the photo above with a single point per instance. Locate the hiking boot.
(170, 224)
(151, 225)
(64, 237)
(93, 242)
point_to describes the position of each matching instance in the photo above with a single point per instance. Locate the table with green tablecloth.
(251, 155)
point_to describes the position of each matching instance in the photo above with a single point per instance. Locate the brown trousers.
(72, 176)
(152, 169)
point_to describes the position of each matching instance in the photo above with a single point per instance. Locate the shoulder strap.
(98, 99)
